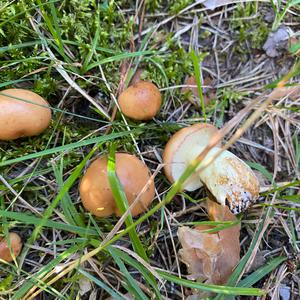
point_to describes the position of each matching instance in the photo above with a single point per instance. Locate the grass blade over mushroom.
(122, 203)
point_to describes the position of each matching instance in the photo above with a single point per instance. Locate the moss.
(249, 27)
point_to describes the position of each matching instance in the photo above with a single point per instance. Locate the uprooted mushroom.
(227, 177)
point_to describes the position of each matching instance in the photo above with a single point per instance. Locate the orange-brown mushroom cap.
(140, 101)
(15, 247)
(20, 118)
(134, 175)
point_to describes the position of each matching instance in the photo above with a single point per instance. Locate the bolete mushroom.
(13, 248)
(20, 118)
(227, 178)
(135, 177)
(140, 101)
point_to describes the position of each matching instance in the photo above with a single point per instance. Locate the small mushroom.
(227, 178)
(140, 101)
(134, 175)
(7, 249)
(19, 118)
(191, 83)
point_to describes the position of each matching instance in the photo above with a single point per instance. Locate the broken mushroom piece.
(13, 248)
(135, 177)
(141, 101)
(211, 257)
(227, 178)
(19, 118)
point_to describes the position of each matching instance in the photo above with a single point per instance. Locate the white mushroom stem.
(227, 177)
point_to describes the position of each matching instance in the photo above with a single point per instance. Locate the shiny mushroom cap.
(228, 178)
(140, 101)
(20, 118)
(13, 247)
(135, 177)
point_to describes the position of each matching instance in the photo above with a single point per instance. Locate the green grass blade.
(261, 272)
(132, 286)
(20, 46)
(102, 285)
(291, 198)
(68, 147)
(76, 173)
(261, 169)
(283, 207)
(88, 58)
(32, 220)
(53, 26)
(227, 290)
(281, 188)
(139, 267)
(233, 279)
(119, 57)
(39, 42)
(70, 212)
(196, 63)
(218, 225)
(14, 81)
(122, 204)
(33, 280)
(33, 7)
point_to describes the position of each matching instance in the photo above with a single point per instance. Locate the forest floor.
(79, 55)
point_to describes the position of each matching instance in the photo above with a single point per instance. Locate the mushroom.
(135, 177)
(11, 249)
(140, 101)
(227, 178)
(191, 85)
(22, 118)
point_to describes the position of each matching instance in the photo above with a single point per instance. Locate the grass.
(64, 246)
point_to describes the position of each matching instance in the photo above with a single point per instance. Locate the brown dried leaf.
(211, 257)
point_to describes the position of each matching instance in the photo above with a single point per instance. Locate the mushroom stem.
(227, 178)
